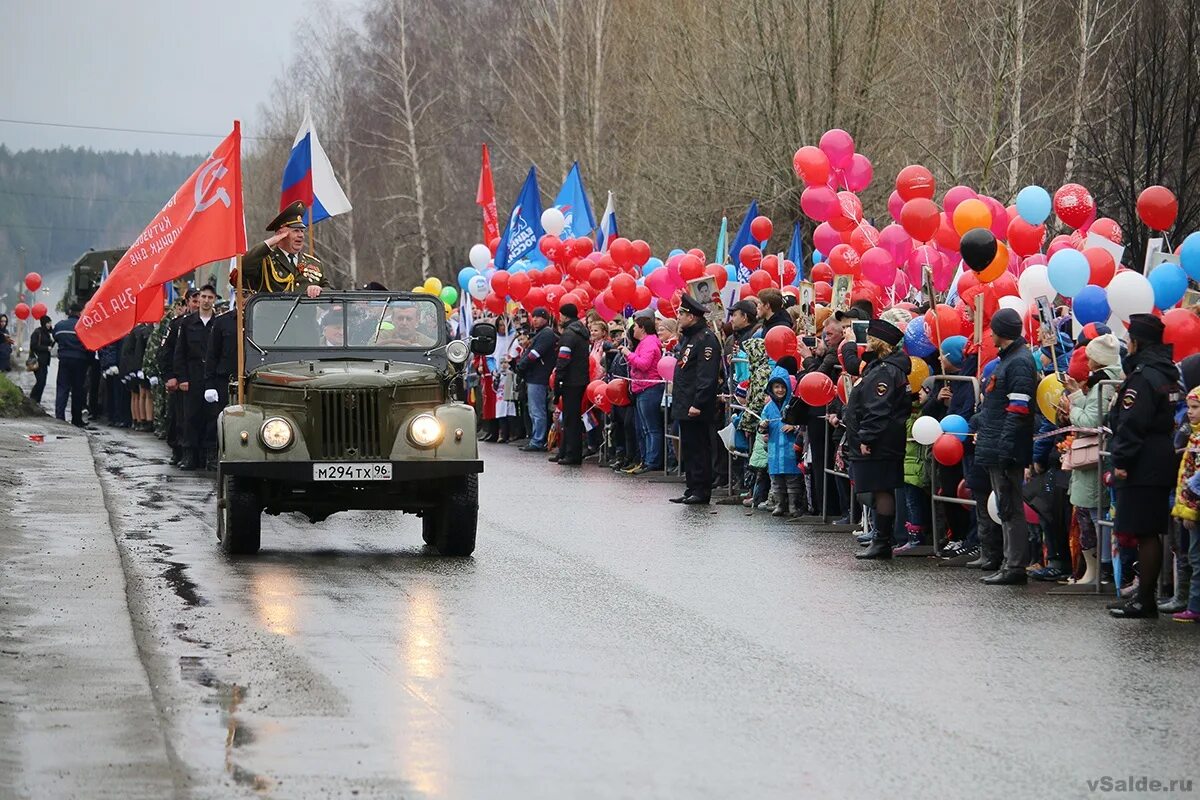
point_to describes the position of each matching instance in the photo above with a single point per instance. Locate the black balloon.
(978, 248)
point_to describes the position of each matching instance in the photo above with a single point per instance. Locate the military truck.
(84, 278)
(350, 403)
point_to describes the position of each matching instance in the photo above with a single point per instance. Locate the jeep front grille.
(349, 424)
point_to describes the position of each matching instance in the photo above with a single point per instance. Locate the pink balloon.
(943, 273)
(1032, 261)
(902, 285)
(839, 147)
(917, 259)
(666, 368)
(878, 266)
(850, 205)
(1060, 242)
(895, 205)
(660, 284)
(819, 203)
(896, 241)
(1087, 223)
(859, 174)
(999, 217)
(825, 238)
(603, 310)
(955, 195)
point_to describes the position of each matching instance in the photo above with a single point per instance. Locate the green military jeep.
(350, 403)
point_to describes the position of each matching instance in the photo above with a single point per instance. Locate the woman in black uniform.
(875, 435)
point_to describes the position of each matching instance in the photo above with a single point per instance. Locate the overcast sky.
(161, 65)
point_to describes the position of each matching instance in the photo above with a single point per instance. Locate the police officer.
(570, 382)
(875, 419)
(191, 347)
(694, 399)
(278, 264)
(1145, 465)
(166, 368)
(221, 360)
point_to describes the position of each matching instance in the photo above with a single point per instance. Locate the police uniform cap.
(1146, 328)
(291, 217)
(885, 331)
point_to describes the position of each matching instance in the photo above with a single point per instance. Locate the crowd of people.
(1040, 498)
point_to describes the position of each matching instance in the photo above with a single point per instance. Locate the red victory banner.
(202, 222)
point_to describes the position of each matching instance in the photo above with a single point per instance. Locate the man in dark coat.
(279, 264)
(1145, 466)
(73, 362)
(571, 380)
(198, 431)
(535, 367)
(166, 368)
(694, 399)
(1004, 446)
(221, 362)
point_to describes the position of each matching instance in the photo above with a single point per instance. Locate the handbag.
(32, 364)
(1084, 452)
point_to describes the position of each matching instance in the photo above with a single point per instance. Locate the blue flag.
(795, 252)
(573, 202)
(520, 237)
(743, 238)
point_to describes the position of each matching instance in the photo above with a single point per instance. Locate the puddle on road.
(180, 583)
(229, 698)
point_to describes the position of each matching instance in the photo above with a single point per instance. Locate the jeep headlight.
(425, 430)
(457, 352)
(276, 433)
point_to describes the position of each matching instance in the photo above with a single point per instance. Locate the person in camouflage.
(760, 372)
(150, 365)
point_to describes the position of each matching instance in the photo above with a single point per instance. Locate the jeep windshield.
(340, 322)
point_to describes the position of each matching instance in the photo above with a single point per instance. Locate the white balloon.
(477, 287)
(1118, 328)
(1130, 293)
(994, 509)
(480, 256)
(926, 430)
(553, 221)
(1034, 283)
(1016, 304)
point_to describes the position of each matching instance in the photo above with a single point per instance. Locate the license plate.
(352, 472)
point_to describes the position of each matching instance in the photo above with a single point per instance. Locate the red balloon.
(947, 236)
(33, 282)
(920, 218)
(780, 341)
(551, 247)
(598, 279)
(718, 273)
(964, 491)
(822, 292)
(582, 246)
(622, 252)
(863, 238)
(851, 207)
(942, 322)
(1157, 207)
(815, 388)
(554, 296)
(1182, 331)
(750, 256)
(641, 252)
(761, 229)
(1109, 229)
(690, 267)
(915, 182)
(759, 280)
(623, 288)
(551, 275)
(641, 298)
(617, 392)
(822, 273)
(811, 165)
(789, 271)
(666, 308)
(770, 265)
(38, 311)
(595, 390)
(534, 297)
(21, 311)
(494, 245)
(1074, 205)
(1025, 239)
(500, 282)
(698, 253)
(535, 275)
(494, 303)
(947, 450)
(519, 285)
(845, 260)
(1103, 268)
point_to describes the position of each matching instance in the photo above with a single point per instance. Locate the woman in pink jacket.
(647, 387)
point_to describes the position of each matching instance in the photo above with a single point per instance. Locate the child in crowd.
(782, 462)
(1187, 505)
(914, 500)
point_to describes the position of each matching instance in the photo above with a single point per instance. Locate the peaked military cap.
(293, 216)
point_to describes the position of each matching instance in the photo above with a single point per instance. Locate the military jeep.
(350, 403)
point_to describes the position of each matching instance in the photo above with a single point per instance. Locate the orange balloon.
(998, 266)
(971, 213)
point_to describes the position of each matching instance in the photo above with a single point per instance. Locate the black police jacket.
(1143, 418)
(133, 350)
(166, 350)
(221, 353)
(191, 348)
(574, 353)
(696, 373)
(878, 409)
(1004, 425)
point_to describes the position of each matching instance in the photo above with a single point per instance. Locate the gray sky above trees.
(141, 64)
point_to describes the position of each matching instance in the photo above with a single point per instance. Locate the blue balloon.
(818, 257)
(1068, 271)
(675, 252)
(732, 272)
(953, 423)
(464, 276)
(651, 265)
(1169, 282)
(1189, 256)
(916, 341)
(1091, 305)
(1034, 204)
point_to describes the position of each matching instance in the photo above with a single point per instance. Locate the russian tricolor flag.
(308, 177)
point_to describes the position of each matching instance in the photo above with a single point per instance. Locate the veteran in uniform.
(694, 399)
(278, 265)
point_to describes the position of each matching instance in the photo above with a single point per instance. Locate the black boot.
(210, 462)
(188, 462)
(881, 547)
(176, 456)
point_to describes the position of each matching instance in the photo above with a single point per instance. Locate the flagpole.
(312, 234)
(241, 338)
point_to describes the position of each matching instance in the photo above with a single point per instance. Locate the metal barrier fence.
(934, 497)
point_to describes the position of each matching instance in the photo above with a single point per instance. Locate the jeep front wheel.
(451, 526)
(239, 526)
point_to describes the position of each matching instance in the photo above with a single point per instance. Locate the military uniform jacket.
(221, 361)
(191, 348)
(696, 374)
(269, 269)
(166, 351)
(1143, 419)
(878, 409)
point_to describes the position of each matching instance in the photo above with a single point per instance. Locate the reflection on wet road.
(603, 642)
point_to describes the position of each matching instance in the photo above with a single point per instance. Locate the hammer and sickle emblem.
(209, 175)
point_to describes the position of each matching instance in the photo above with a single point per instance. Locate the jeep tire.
(451, 526)
(239, 525)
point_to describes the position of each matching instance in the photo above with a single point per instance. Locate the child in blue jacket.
(782, 462)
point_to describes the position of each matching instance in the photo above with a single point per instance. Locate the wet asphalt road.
(604, 643)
